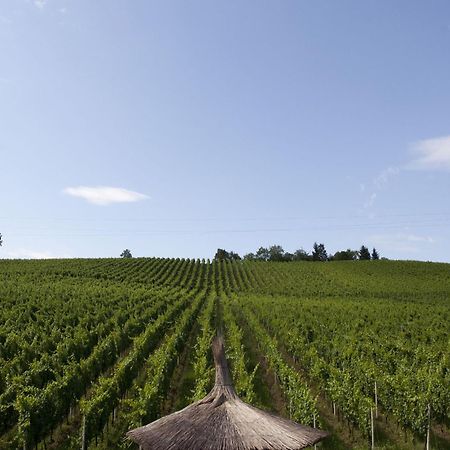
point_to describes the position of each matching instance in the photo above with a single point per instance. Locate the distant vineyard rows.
(92, 348)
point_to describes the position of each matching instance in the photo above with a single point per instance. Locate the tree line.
(318, 253)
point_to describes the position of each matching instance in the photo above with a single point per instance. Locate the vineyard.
(90, 349)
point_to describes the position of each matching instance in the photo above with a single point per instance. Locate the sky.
(173, 128)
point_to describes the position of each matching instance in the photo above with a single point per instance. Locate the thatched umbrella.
(223, 421)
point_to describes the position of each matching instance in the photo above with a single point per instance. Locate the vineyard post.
(428, 427)
(83, 434)
(314, 423)
(372, 428)
(376, 400)
(290, 402)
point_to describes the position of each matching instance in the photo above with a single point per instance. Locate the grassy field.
(92, 348)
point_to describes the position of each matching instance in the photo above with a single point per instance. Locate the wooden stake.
(372, 428)
(428, 427)
(83, 435)
(376, 401)
(314, 423)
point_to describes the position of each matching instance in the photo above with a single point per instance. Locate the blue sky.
(173, 128)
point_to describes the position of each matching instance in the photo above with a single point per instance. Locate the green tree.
(276, 253)
(1, 241)
(364, 253)
(288, 256)
(301, 255)
(262, 254)
(221, 255)
(235, 256)
(375, 254)
(345, 255)
(250, 257)
(126, 254)
(319, 253)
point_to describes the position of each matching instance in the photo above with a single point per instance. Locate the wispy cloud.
(401, 242)
(32, 254)
(379, 183)
(370, 201)
(5, 20)
(104, 195)
(431, 154)
(385, 176)
(40, 3)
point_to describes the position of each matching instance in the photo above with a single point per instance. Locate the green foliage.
(345, 255)
(159, 368)
(262, 254)
(364, 253)
(107, 334)
(301, 255)
(276, 253)
(109, 389)
(319, 253)
(203, 370)
(126, 254)
(222, 255)
(242, 376)
(302, 406)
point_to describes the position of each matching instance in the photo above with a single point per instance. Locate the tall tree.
(288, 256)
(276, 253)
(375, 254)
(221, 255)
(301, 255)
(1, 240)
(345, 255)
(364, 253)
(235, 256)
(262, 254)
(126, 254)
(319, 253)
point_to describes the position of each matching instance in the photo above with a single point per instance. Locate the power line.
(226, 219)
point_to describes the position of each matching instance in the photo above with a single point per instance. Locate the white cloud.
(40, 3)
(385, 176)
(31, 254)
(432, 154)
(370, 201)
(5, 20)
(401, 242)
(104, 195)
(415, 238)
(379, 183)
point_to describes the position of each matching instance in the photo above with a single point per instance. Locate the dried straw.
(222, 421)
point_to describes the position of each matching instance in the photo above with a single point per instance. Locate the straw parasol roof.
(221, 420)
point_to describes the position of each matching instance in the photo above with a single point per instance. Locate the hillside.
(90, 348)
